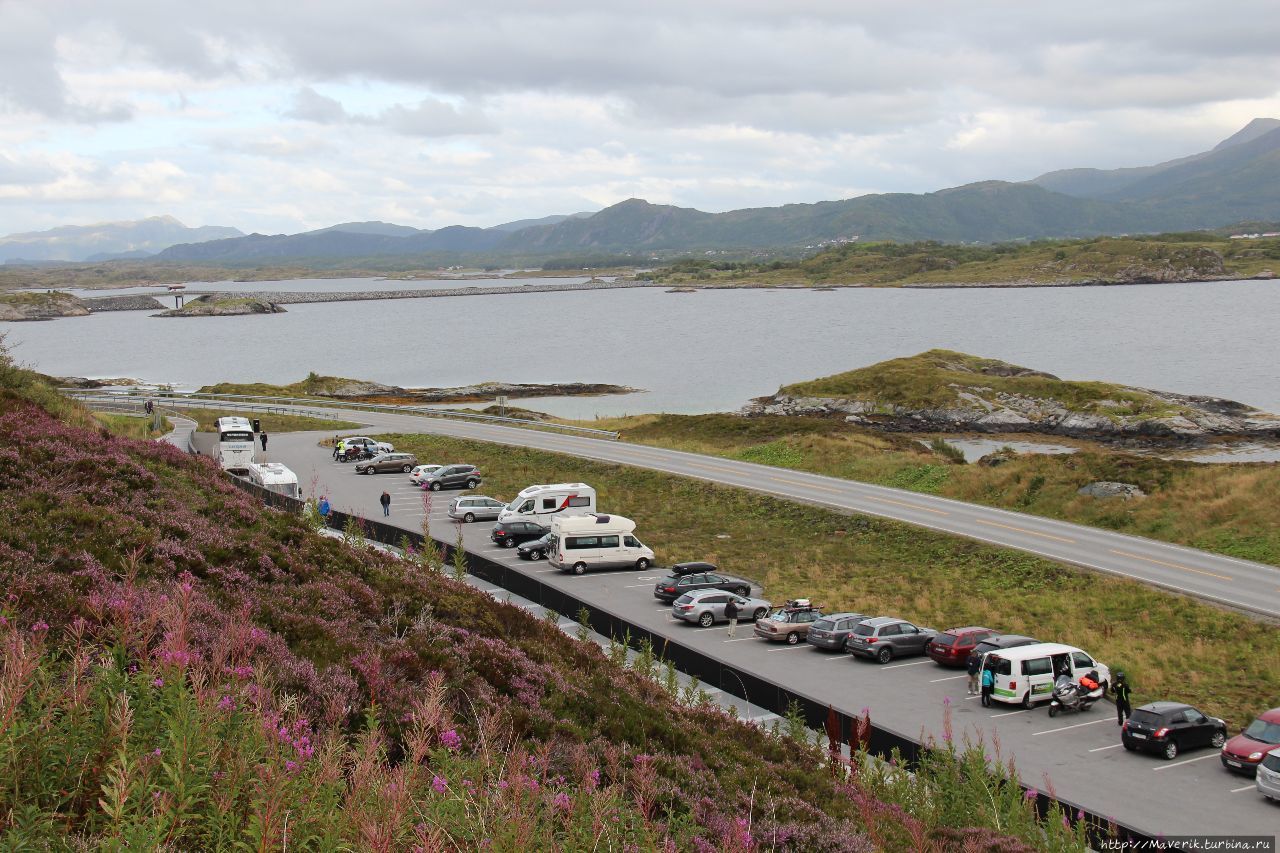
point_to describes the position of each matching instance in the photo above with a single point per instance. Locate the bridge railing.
(284, 405)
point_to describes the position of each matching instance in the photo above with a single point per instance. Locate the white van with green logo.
(1024, 675)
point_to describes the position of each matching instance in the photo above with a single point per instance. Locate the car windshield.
(863, 630)
(1261, 730)
(546, 537)
(779, 616)
(1146, 718)
(685, 599)
(824, 625)
(946, 639)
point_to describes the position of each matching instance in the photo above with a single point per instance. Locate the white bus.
(275, 477)
(235, 443)
(540, 504)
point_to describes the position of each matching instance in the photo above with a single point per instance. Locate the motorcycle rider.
(1121, 690)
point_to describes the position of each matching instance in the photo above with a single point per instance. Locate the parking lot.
(1078, 755)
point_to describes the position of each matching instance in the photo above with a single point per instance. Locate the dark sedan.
(1167, 728)
(535, 549)
(509, 534)
(672, 587)
(830, 632)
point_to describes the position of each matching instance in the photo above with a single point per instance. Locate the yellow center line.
(1170, 565)
(804, 485)
(910, 505)
(722, 469)
(1024, 530)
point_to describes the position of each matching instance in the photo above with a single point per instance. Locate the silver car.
(830, 632)
(706, 607)
(475, 508)
(1268, 778)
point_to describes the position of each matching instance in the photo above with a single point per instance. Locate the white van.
(1024, 675)
(540, 504)
(274, 477)
(595, 541)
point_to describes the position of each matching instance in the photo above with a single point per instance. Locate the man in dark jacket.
(1121, 690)
(385, 500)
(263, 435)
(974, 664)
(731, 613)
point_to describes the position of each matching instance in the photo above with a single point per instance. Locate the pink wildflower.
(40, 626)
(562, 801)
(290, 766)
(451, 740)
(440, 785)
(226, 703)
(159, 682)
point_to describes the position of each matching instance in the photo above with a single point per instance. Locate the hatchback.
(452, 477)
(830, 632)
(509, 534)
(1268, 779)
(953, 646)
(672, 587)
(884, 638)
(387, 462)
(1167, 728)
(706, 607)
(418, 473)
(475, 508)
(1244, 752)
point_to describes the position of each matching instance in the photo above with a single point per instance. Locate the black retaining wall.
(883, 743)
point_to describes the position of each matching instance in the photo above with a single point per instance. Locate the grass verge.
(270, 421)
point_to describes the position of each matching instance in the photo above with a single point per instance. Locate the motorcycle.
(355, 454)
(1069, 696)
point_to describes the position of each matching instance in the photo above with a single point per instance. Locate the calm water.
(308, 285)
(699, 352)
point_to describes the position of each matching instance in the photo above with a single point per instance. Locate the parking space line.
(1170, 565)
(1244, 788)
(1025, 530)
(1065, 728)
(948, 678)
(636, 585)
(904, 503)
(1103, 748)
(1008, 714)
(901, 665)
(829, 658)
(791, 648)
(739, 640)
(1188, 761)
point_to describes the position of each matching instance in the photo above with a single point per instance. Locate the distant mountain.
(521, 224)
(83, 242)
(385, 229)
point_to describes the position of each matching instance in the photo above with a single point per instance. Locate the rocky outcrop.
(206, 306)
(18, 306)
(137, 302)
(1105, 489)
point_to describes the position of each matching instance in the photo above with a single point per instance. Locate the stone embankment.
(137, 302)
(293, 298)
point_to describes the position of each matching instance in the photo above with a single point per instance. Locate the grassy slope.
(1053, 261)
(934, 379)
(270, 422)
(876, 566)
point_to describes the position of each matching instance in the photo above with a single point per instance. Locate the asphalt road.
(1079, 754)
(1245, 585)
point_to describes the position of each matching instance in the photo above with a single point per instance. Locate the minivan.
(1025, 675)
(596, 541)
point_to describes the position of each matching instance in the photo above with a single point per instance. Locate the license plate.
(1138, 736)
(1233, 763)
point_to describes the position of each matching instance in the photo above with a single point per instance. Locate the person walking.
(988, 684)
(263, 436)
(385, 500)
(325, 509)
(731, 613)
(974, 664)
(1121, 690)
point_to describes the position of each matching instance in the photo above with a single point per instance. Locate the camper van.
(1025, 675)
(595, 541)
(274, 477)
(540, 504)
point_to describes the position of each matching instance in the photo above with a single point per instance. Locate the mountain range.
(1234, 182)
(107, 240)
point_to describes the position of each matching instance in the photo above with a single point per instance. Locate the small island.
(220, 306)
(366, 391)
(24, 305)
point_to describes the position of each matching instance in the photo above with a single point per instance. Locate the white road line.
(1008, 714)
(900, 665)
(1065, 728)
(1104, 748)
(948, 678)
(790, 648)
(967, 698)
(636, 585)
(1188, 761)
(1253, 787)
(738, 640)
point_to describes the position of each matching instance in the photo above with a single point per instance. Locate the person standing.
(974, 664)
(325, 509)
(385, 500)
(339, 449)
(1121, 689)
(263, 436)
(988, 684)
(731, 613)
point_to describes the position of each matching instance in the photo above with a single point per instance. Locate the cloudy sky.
(278, 117)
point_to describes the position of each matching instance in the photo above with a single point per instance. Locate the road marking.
(1170, 565)
(722, 469)
(906, 504)
(739, 639)
(1253, 787)
(1009, 713)
(636, 585)
(948, 678)
(805, 485)
(901, 665)
(791, 648)
(1025, 530)
(1103, 748)
(1065, 728)
(1188, 761)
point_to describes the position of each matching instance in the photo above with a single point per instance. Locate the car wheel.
(1219, 738)
(760, 613)
(743, 591)
(642, 564)
(407, 468)
(535, 555)
(1053, 710)
(884, 655)
(1026, 701)
(706, 619)
(509, 543)
(435, 487)
(469, 517)
(793, 638)
(471, 484)
(579, 568)
(369, 470)
(1170, 750)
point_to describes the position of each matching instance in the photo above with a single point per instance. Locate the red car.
(1244, 752)
(952, 647)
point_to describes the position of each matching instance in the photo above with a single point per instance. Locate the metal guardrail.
(255, 402)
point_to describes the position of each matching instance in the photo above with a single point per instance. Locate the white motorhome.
(274, 477)
(540, 504)
(1024, 675)
(596, 541)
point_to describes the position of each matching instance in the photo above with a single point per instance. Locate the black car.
(452, 477)
(509, 534)
(1167, 728)
(1002, 641)
(672, 587)
(535, 549)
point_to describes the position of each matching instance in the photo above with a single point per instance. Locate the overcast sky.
(279, 117)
